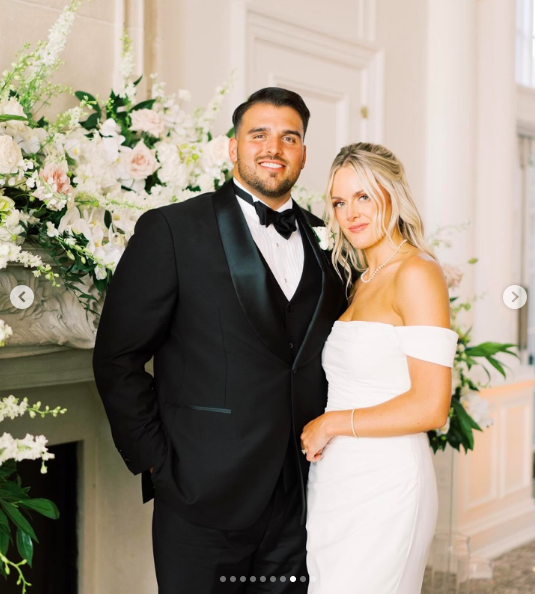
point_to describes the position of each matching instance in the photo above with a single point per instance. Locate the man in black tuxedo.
(233, 296)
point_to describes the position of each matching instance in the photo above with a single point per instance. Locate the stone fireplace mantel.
(56, 317)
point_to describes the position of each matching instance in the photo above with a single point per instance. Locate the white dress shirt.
(285, 257)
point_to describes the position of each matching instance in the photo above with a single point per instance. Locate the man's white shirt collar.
(250, 209)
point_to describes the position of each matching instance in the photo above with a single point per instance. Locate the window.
(525, 42)
(524, 262)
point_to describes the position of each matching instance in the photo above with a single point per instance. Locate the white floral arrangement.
(77, 186)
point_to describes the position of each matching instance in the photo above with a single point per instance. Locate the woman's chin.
(359, 243)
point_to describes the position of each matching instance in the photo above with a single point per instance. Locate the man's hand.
(151, 468)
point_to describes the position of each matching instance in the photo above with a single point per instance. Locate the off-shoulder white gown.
(372, 502)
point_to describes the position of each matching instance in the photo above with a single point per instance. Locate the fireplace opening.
(55, 557)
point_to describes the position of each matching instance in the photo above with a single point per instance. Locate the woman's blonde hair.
(375, 165)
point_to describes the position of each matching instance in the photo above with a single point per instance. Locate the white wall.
(401, 31)
(92, 43)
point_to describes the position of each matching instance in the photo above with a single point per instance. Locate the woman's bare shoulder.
(421, 291)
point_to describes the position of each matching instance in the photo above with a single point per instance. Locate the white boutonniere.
(325, 241)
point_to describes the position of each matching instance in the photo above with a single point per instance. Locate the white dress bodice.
(366, 362)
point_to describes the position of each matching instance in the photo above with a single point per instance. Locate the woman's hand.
(315, 437)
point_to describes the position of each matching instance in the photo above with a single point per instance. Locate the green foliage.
(15, 515)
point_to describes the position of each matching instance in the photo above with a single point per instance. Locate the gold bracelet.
(353, 426)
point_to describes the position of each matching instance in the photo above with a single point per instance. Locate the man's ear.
(304, 157)
(233, 150)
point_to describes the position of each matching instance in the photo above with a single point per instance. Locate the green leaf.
(7, 117)
(231, 133)
(18, 519)
(148, 104)
(491, 348)
(7, 469)
(43, 506)
(462, 412)
(465, 424)
(91, 122)
(472, 260)
(4, 543)
(25, 546)
(136, 82)
(496, 364)
(10, 491)
(4, 522)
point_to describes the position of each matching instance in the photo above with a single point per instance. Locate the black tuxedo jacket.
(192, 290)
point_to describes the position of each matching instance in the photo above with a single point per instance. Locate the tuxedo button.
(127, 459)
(291, 345)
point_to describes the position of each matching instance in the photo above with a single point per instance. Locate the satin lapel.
(249, 274)
(329, 303)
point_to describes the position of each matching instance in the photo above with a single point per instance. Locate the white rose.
(13, 107)
(6, 204)
(147, 120)
(10, 155)
(215, 154)
(206, 183)
(139, 162)
(323, 237)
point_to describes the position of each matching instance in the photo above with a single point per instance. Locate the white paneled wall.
(493, 484)
(341, 81)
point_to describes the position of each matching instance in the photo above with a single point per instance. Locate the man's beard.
(250, 177)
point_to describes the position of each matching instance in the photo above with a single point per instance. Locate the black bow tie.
(284, 222)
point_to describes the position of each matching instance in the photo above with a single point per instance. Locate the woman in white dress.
(372, 497)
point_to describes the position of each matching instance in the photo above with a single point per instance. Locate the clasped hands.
(315, 436)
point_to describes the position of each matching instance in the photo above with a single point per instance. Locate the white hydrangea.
(477, 408)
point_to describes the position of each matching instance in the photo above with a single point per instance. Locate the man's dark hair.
(273, 96)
